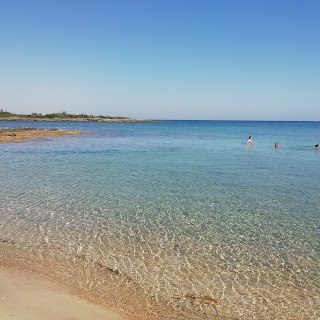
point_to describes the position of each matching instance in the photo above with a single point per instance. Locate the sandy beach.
(25, 296)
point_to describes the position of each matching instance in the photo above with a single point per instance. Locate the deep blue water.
(235, 221)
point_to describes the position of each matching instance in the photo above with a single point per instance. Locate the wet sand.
(103, 289)
(18, 134)
(25, 296)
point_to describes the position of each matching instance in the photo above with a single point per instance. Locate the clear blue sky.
(174, 59)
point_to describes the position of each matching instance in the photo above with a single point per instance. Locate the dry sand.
(18, 134)
(23, 296)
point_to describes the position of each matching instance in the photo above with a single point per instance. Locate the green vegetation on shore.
(58, 115)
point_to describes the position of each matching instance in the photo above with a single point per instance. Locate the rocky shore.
(17, 134)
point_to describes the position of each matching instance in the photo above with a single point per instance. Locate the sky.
(177, 59)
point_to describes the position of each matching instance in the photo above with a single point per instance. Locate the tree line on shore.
(57, 115)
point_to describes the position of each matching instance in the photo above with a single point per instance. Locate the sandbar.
(25, 296)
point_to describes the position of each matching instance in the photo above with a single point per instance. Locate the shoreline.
(77, 119)
(28, 296)
(108, 292)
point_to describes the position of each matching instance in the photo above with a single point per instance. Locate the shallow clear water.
(184, 209)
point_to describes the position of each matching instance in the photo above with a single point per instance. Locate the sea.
(171, 219)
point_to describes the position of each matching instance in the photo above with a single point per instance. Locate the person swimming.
(250, 140)
(276, 145)
(317, 146)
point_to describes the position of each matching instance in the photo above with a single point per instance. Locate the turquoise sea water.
(186, 210)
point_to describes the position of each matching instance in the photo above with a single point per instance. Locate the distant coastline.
(64, 116)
